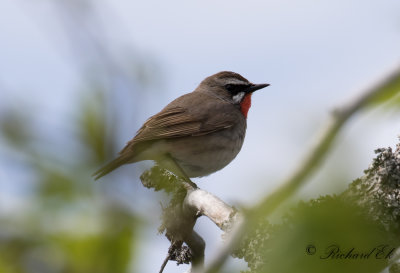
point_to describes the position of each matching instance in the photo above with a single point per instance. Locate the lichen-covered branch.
(187, 203)
(378, 191)
(207, 204)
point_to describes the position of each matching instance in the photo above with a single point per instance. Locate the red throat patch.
(245, 105)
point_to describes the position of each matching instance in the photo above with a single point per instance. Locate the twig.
(164, 263)
(308, 165)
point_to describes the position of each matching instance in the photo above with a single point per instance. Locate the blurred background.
(79, 77)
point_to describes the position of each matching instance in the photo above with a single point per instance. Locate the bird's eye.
(235, 88)
(229, 87)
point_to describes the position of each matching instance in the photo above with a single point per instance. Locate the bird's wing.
(178, 122)
(183, 117)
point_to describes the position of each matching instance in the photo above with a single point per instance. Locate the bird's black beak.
(255, 87)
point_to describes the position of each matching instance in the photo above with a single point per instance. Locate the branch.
(308, 165)
(187, 203)
(204, 203)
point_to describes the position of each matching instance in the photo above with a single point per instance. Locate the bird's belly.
(203, 155)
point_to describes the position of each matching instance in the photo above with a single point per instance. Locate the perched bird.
(196, 134)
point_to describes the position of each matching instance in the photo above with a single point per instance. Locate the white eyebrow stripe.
(236, 81)
(238, 97)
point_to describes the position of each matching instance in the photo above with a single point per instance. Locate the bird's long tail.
(109, 167)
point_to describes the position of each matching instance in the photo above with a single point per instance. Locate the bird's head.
(232, 87)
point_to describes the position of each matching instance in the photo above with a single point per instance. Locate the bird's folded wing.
(177, 122)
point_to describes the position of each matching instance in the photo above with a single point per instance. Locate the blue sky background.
(315, 54)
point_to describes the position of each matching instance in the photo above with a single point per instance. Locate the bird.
(198, 133)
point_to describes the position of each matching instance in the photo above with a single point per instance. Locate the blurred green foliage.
(63, 221)
(316, 236)
(389, 94)
(94, 130)
(355, 231)
(68, 225)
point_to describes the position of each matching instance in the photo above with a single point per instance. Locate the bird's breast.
(203, 155)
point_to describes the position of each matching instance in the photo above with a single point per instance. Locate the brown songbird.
(196, 134)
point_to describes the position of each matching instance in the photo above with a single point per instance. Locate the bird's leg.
(169, 163)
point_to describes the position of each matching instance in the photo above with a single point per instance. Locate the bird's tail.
(109, 167)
